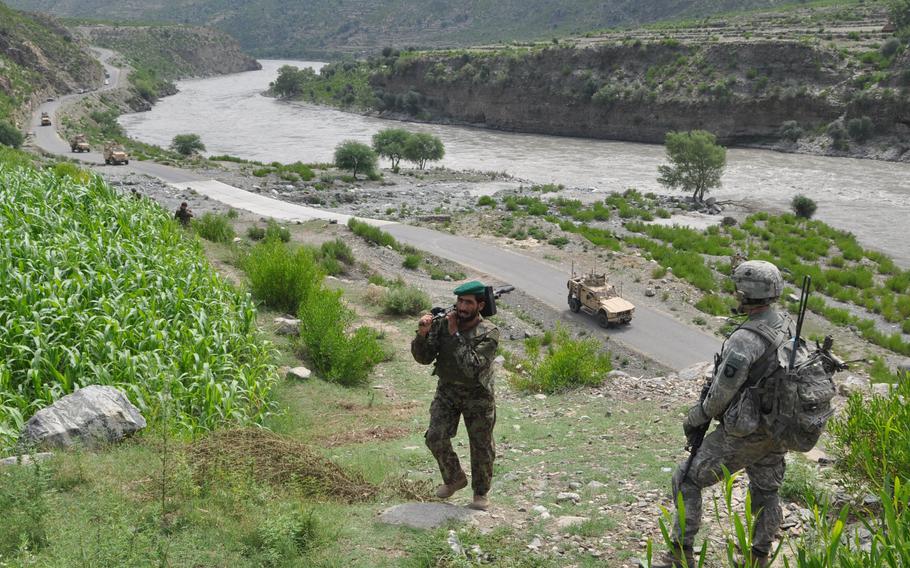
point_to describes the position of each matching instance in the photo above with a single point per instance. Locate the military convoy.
(79, 144)
(45, 119)
(114, 154)
(593, 295)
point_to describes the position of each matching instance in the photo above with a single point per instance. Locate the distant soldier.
(184, 215)
(747, 358)
(463, 346)
(137, 196)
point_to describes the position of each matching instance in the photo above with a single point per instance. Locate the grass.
(568, 363)
(214, 227)
(405, 300)
(372, 234)
(281, 277)
(107, 290)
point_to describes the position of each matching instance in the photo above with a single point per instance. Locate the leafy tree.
(790, 130)
(10, 135)
(354, 156)
(187, 144)
(291, 80)
(803, 206)
(390, 142)
(899, 11)
(422, 148)
(697, 162)
(860, 129)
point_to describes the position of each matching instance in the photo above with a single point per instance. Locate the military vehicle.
(45, 119)
(79, 144)
(593, 295)
(115, 154)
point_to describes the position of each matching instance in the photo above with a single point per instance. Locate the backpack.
(793, 405)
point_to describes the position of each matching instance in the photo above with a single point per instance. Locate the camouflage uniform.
(745, 355)
(183, 214)
(465, 388)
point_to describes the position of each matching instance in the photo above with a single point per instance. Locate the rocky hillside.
(328, 28)
(844, 91)
(39, 58)
(173, 52)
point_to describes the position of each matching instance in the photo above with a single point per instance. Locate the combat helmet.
(757, 282)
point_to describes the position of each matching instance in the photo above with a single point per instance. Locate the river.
(869, 198)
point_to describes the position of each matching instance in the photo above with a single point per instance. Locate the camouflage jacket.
(742, 352)
(465, 359)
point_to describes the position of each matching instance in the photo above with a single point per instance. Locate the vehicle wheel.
(602, 320)
(108, 162)
(575, 305)
(126, 163)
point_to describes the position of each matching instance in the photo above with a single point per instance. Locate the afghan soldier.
(463, 345)
(184, 215)
(746, 358)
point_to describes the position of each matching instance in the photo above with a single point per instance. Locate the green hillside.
(337, 27)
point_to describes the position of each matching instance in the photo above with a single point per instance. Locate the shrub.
(255, 233)
(337, 249)
(803, 206)
(274, 231)
(860, 129)
(569, 363)
(187, 144)
(486, 201)
(790, 130)
(23, 499)
(214, 227)
(558, 242)
(659, 272)
(405, 300)
(10, 135)
(373, 234)
(801, 483)
(336, 355)
(411, 261)
(281, 278)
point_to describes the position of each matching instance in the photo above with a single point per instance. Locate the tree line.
(395, 144)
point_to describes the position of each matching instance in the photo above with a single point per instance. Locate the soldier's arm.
(473, 356)
(425, 348)
(742, 350)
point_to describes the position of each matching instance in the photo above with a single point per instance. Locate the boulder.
(298, 374)
(697, 372)
(287, 326)
(91, 417)
(649, 292)
(853, 384)
(425, 515)
(567, 521)
(881, 389)
(26, 459)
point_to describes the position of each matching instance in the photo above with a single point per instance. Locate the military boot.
(759, 560)
(446, 490)
(480, 503)
(673, 559)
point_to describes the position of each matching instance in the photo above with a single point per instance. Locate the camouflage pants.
(478, 406)
(763, 459)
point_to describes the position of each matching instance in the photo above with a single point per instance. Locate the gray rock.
(569, 521)
(298, 374)
(595, 485)
(26, 459)
(574, 485)
(424, 515)
(649, 292)
(90, 417)
(287, 326)
(697, 372)
(617, 374)
(853, 384)
(568, 496)
(881, 389)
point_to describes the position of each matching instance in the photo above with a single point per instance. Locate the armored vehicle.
(593, 295)
(45, 119)
(79, 144)
(115, 154)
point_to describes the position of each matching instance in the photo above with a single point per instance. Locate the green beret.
(472, 287)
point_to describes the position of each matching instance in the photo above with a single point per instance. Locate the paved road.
(653, 333)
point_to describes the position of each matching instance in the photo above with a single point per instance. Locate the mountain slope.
(336, 27)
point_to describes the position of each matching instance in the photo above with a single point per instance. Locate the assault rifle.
(489, 308)
(696, 437)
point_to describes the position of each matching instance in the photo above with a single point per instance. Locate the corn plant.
(96, 288)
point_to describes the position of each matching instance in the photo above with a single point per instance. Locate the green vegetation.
(355, 157)
(715, 305)
(10, 135)
(187, 144)
(372, 234)
(281, 278)
(405, 301)
(421, 148)
(486, 201)
(803, 206)
(390, 143)
(150, 315)
(411, 261)
(697, 162)
(346, 84)
(568, 363)
(214, 227)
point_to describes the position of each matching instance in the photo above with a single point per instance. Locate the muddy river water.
(869, 198)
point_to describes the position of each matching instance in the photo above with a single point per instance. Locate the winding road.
(653, 333)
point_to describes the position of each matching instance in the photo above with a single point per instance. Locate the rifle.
(801, 315)
(693, 442)
(489, 309)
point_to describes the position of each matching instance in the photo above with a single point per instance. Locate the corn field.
(96, 288)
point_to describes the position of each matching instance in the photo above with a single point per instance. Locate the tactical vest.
(792, 405)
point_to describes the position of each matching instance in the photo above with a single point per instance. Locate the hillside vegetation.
(325, 28)
(39, 58)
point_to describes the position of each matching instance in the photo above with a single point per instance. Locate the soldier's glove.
(695, 420)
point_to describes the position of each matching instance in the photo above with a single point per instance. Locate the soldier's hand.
(423, 325)
(452, 320)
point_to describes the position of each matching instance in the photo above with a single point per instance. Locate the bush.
(860, 129)
(486, 201)
(255, 233)
(405, 300)
(10, 135)
(790, 130)
(658, 272)
(569, 363)
(214, 227)
(803, 206)
(23, 499)
(411, 261)
(187, 144)
(337, 249)
(276, 232)
(373, 234)
(335, 355)
(279, 277)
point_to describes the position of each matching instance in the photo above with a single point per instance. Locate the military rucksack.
(792, 404)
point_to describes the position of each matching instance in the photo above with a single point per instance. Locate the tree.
(186, 144)
(899, 11)
(354, 156)
(803, 206)
(422, 148)
(697, 162)
(291, 80)
(390, 142)
(10, 135)
(790, 130)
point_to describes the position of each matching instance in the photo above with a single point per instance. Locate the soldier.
(184, 214)
(463, 346)
(746, 358)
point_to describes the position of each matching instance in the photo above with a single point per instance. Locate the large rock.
(852, 384)
(697, 372)
(424, 515)
(287, 326)
(90, 417)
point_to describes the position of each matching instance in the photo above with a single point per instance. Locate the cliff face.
(39, 58)
(743, 92)
(174, 52)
